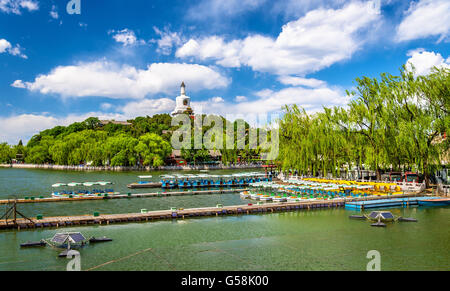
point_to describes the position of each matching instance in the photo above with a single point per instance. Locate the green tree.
(153, 149)
(6, 153)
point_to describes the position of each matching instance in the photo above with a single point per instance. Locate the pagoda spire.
(183, 89)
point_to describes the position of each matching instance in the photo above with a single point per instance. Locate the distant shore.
(134, 168)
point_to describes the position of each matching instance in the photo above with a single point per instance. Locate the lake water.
(303, 240)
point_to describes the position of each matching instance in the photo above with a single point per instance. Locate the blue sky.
(121, 59)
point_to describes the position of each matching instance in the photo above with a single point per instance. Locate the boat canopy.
(74, 184)
(104, 183)
(58, 185)
(145, 177)
(193, 176)
(89, 184)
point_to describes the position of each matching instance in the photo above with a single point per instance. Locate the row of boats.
(311, 189)
(206, 180)
(82, 189)
(373, 188)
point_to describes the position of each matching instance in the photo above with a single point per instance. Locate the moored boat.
(279, 199)
(434, 202)
(265, 198)
(99, 239)
(245, 194)
(40, 243)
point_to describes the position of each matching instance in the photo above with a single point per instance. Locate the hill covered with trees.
(144, 141)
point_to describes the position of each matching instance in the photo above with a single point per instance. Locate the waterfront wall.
(134, 168)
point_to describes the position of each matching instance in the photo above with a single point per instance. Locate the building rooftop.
(105, 122)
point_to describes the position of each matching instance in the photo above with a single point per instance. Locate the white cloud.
(298, 81)
(54, 12)
(14, 128)
(215, 48)
(148, 107)
(218, 9)
(217, 99)
(313, 42)
(107, 79)
(240, 98)
(106, 106)
(29, 5)
(126, 36)
(423, 61)
(19, 84)
(425, 18)
(6, 47)
(16, 6)
(167, 41)
(268, 101)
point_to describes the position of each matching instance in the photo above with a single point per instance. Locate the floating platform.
(61, 221)
(382, 203)
(118, 196)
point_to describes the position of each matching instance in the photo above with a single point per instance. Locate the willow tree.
(309, 143)
(369, 117)
(153, 149)
(423, 105)
(6, 153)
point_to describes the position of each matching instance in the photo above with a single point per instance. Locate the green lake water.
(301, 240)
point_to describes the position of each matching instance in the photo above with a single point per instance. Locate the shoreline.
(128, 168)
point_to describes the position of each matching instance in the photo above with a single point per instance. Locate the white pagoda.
(183, 103)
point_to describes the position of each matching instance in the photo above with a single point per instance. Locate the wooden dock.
(106, 219)
(118, 196)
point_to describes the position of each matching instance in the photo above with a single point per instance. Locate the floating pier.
(62, 221)
(395, 202)
(118, 196)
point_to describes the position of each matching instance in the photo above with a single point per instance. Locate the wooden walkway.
(106, 219)
(117, 196)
